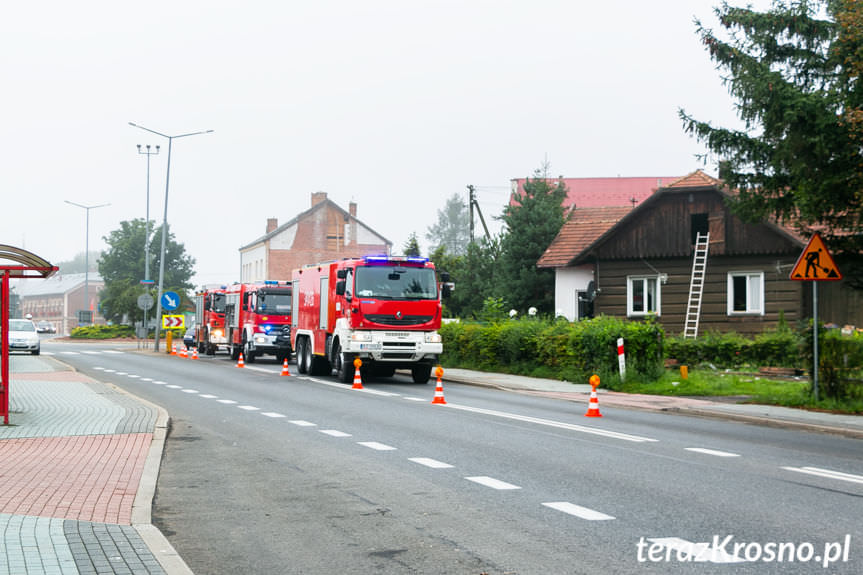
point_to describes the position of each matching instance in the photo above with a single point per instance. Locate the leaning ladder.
(696, 285)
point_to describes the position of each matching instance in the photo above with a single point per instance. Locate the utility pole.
(474, 203)
(470, 200)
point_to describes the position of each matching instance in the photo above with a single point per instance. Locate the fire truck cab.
(384, 310)
(210, 320)
(258, 320)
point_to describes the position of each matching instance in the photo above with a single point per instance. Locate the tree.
(452, 229)
(794, 74)
(122, 268)
(532, 220)
(412, 246)
(473, 274)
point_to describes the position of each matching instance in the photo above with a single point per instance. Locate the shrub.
(102, 332)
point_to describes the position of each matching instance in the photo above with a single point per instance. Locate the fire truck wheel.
(421, 373)
(235, 352)
(303, 355)
(344, 366)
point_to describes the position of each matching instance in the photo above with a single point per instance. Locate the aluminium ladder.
(696, 285)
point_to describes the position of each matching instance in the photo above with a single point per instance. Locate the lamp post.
(147, 282)
(87, 252)
(164, 224)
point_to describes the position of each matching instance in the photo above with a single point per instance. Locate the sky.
(393, 104)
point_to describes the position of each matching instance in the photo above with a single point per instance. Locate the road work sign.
(815, 263)
(173, 321)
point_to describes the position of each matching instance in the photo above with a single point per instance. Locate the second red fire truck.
(210, 320)
(384, 310)
(258, 320)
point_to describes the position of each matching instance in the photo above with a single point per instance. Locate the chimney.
(272, 224)
(352, 208)
(318, 197)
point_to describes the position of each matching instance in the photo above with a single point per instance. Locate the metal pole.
(815, 368)
(147, 234)
(87, 251)
(164, 226)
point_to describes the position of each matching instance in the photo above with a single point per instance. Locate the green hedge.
(102, 332)
(556, 349)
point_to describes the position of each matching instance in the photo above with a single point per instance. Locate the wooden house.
(638, 262)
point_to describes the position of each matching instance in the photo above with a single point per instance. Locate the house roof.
(604, 192)
(581, 228)
(319, 206)
(58, 284)
(574, 243)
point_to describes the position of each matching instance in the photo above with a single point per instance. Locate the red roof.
(581, 229)
(604, 192)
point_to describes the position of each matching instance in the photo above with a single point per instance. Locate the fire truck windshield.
(389, 282)
(219, 302)
(276, 303)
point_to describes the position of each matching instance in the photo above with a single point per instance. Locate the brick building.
(324, 232)
(59, 298)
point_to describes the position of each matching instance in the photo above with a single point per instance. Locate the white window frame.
(630, 280)
(751, 308)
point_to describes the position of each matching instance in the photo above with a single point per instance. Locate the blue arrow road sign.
(170, 300)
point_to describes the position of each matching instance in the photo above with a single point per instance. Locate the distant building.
(59, 298)
(324, 232)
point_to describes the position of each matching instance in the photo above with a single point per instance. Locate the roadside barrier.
(240, 362)
(358, 380)
(593, 405)
(285, 370)
(438, 390)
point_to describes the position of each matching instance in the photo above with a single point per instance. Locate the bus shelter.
(14, 263)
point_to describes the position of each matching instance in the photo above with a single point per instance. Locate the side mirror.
(342, 274)
(340, 285)
(444, 277)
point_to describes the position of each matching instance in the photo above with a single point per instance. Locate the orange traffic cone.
(194, 353)
(240, 362)
(358, 380)
(438, 390)
(183, 352)
(285, 370)
(593, 405)
(174, 349)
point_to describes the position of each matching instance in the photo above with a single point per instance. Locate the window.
(642, 296)
(746, 293)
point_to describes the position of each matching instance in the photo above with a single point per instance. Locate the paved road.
(265, 474)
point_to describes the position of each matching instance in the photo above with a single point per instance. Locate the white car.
(23, 336)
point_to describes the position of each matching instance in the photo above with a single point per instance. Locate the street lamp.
(147, 282)
(87, 253)
(164, 224)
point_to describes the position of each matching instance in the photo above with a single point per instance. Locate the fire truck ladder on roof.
(696, 285)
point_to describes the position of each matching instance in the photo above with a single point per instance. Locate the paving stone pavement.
(73, 460)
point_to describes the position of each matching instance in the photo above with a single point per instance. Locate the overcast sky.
(393, 104)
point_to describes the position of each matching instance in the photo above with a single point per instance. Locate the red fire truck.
(382, 309)
(258, 320)
(210, 320)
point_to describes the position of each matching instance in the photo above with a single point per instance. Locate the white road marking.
(335, 432)
(703, 552)
(415, 399)
(112, 351)
(249, 407)
(261, 369)
(174, 386)
(146, 379)
(376, 446)
(226, 401)
(303, 423)
(827, 473)
(712, 452)
(99, 368)
(578, 511)
(110, 371)
(552, 423)
(122, 373)
(433, 463)
(133, 376)
(189, 391)
(159, 382)
(69, 353)
(92, 352)
(208, 396)
(272, 414)
(492, 482)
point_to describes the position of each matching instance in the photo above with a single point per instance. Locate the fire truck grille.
(396, 355)
(398, 344)
(385, 319)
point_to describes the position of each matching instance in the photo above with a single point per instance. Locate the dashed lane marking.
(189, 390)
(273, 414)
(174, 386)
(208, 396)
(334, 433)
(829, 474)
(492, 482)
(303, 423)
(578, 511)
(712, 452)
(249, 408)
(428, 462)
(376, 446)
(226, 401)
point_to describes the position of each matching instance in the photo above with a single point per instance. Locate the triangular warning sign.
(815, 263)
